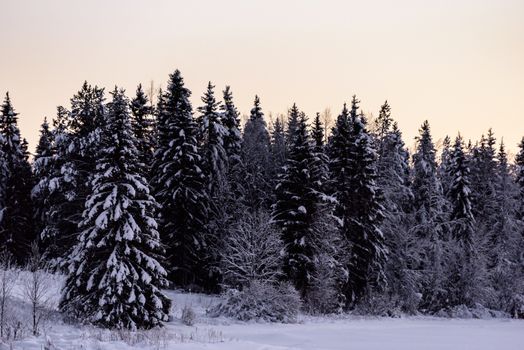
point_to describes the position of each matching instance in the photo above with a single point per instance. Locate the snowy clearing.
(325, 333)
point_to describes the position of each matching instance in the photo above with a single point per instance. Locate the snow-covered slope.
(317, 333)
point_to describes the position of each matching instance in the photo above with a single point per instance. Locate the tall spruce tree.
(256, 182)
(430, 222)
(16, 224)
(278, 145)
(462, 218)
(180, 186)
(393, 179)
(211, 135)
(297, 201)
(115, 278)
(505, 266)
(359, 208)
(231, 122)
(43, 166)
(466, 270)
(143, 125)
(77, 147)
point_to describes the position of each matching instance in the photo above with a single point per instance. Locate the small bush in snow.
(188, 315)
(261, 302)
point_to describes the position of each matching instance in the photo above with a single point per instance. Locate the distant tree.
(143, 125)
(256, 181)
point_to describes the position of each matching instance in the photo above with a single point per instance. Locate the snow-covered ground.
(319, 333)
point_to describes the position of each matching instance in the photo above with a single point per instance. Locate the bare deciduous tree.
(36, 288)
(252, 251)
(8, 278)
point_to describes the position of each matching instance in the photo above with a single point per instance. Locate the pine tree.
(297, 202)
(211, 141)
(180, 186)
(16, 225)
(255, 180)
(115, 277)
(359, 208)
(143, 128)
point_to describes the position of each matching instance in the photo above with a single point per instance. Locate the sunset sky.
(459, 64)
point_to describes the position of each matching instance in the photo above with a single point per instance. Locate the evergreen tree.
(460, 197)
(359, 208)
(278, 145)
(231, 122)
(505, 265)
(466, 265)
(292, 123)
(211, 141)
(43, 167)
(255, 180)
(519, 180)
(143, 128)
(393, 180)
(445, 166)
(115, 277)
(180, 186)
(430, 222)
(55, 193)
(16, 225)
(77, 148)
(297, 202)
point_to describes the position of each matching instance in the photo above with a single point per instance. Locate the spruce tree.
(211, 135)
(460, 197)
(278, 145)
(359, 208)
(115, 278)
(16, 225)
(143, 125)
(504, 253)
(180, 186)
(430, 222)
(393, 180)
(297, 202)
(77, 146)
(255, 180)
(231, 122)
(43, 166)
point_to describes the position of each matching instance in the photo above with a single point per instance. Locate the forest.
(128, 198)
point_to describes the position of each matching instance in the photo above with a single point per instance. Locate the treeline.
(126, 199)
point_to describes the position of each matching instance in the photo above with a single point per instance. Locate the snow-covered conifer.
(16, 224)
(115, 278)
(180, 186)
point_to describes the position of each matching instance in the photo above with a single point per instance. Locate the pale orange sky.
(459, 64)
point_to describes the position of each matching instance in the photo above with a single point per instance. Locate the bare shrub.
(188, 315)
(36, 289)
